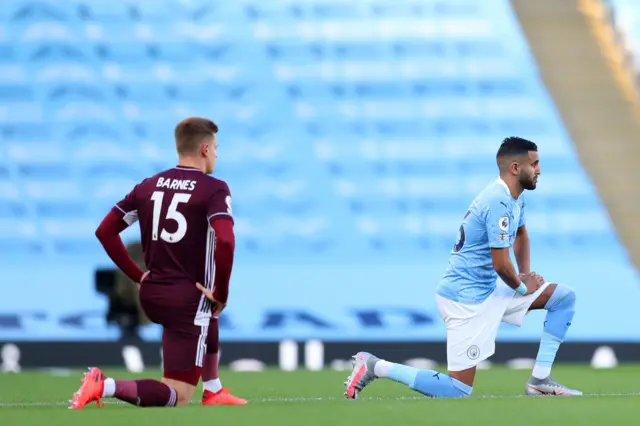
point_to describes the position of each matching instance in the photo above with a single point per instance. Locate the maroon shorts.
(184, 344)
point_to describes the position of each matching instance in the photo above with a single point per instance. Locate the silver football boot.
(548, 387)
(361, 375)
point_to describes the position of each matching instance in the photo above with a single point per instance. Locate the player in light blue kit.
(481, 288)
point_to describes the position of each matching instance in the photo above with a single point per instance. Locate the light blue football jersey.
(490, 222)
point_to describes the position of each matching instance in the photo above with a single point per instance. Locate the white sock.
(381, 369)
(109, 388)
(541, 372)
(214, 385)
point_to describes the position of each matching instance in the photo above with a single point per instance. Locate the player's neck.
(515, 189)
(192, 163)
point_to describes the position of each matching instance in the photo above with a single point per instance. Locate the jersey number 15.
(172, 213)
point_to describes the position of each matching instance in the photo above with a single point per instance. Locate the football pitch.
(315, 398)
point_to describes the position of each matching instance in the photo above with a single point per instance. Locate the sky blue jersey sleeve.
(497, 223)
(522, 220)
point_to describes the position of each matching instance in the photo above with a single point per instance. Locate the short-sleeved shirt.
(491, 221)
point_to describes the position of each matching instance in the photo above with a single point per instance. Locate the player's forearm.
(224, 253)
(224, 265)
(108, 233)
(118, 253)
(522, 252)
(507, 272)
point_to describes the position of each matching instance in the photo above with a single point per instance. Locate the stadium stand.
(350, 131)
(376, 120)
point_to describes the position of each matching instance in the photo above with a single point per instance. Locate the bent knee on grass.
(184, 391)
(467, 376)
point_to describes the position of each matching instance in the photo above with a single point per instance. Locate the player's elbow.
(500, 266)
(499, 269)
(225, 238)
(100, 233)
(103, 232)
(109, 226)
(225, 244)
(225, 247)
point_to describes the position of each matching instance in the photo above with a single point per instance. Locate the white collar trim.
(502, 183)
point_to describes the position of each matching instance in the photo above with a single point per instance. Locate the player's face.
(212, 154)
(529, 171)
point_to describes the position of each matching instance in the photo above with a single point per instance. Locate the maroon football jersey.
(174, 209)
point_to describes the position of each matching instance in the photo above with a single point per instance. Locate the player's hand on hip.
(216, 307)
(144, 277)
(532, 280)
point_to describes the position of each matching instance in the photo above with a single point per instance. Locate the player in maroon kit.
(187, 237)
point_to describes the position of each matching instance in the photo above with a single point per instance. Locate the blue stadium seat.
(127, 53)
(40, 11)
(102, 10)
(20, 239)
(72, 236)
(47, 53)
(12, 209)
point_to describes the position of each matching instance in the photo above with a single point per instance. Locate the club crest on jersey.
(473, 352)
(503, 223)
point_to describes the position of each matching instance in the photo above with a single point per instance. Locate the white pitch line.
(266, 400)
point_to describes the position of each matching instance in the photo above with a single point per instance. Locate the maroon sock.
(145, 393)
(210, 364)
(210, 367)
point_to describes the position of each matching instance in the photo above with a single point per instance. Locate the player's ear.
(204, 149)
(514, 167)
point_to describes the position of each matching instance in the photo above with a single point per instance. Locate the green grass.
(315, 398)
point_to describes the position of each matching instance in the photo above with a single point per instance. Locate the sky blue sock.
(429, 382)
(561, 308)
